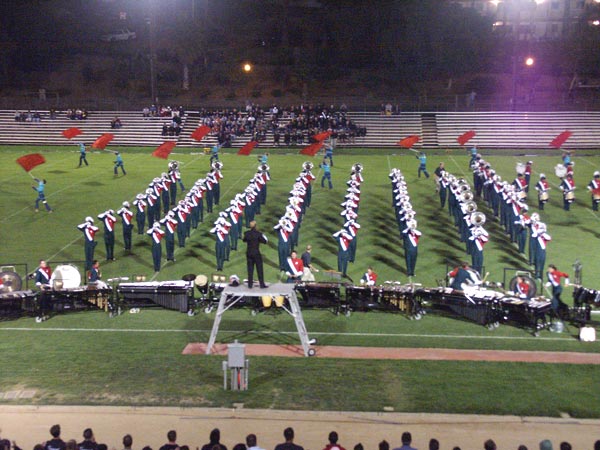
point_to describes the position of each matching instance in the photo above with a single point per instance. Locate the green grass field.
(136, 359)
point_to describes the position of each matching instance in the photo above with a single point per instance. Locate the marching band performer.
(294, 268)
(438, 173)
(153, 207)
(521, 225)
(411, 236)
(567, 186)
(594, 188)
(157, 234)
(554, 276)
(214, 153)
(221, 231)
(182, 215)
(479, 237)
(535, 218)
(542, 187)
(140, 212)
(40, 189)
(89, 231)
(460, 277)
(520, 185)
(422, 157)
(42, 275)
(528, 174)
(165, 180)
(94, 276)
(369, 278)
(344, 239)
(82, 155)
(283, 244)
(216, 176)
(170, 223)
(234, 216)
(542, 237)
(108, 219)
(522, 288)
(127, 221)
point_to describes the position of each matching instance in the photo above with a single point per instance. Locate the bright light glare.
(529, 61)
(596, 22)
(539, 2)
(247, 67)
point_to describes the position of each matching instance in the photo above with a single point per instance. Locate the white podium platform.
(233, 294)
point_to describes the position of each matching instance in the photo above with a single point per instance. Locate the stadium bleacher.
(437, 129)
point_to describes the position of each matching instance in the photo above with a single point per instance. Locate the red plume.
(247, 148)
(103, 141)
(312, 149)
(409, 141)
(164, 150)
(465, 137)
(200, 132)
(70, 133)
(30, 161)
(559, 140)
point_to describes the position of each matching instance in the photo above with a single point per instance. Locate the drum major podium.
(233, 294)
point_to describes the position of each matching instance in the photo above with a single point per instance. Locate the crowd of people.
(28, 116)
(250, 442)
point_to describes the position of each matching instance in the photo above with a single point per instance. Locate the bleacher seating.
(437, 129)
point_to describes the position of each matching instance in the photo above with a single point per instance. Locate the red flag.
(103, 141)
(312, 149)
(465, 137)
(559, 140)
(30, 161)
(247, 148)
(164, 150)
(200, 132)
(70, 133)
(409, 141)
(322, 136)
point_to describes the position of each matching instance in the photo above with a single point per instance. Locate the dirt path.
(406, 353)
(28, 425)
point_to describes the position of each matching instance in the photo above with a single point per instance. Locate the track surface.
(440, 354)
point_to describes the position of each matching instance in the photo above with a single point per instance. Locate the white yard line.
(292, 333)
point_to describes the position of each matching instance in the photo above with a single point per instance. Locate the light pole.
(151, 22)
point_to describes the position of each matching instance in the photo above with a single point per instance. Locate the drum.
(201, 283)
(279, 299)
(266, 301)
(596, 197)
(522, 194)
(544, 196)
(65, 276)
(570, 195)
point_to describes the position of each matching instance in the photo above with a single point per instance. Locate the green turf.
(145, 366)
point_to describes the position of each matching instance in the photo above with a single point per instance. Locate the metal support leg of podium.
(233, 294)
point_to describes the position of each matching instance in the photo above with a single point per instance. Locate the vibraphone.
(177, 295)
(401, 298)
(480, 307)
(320, 295)
(531, 313)
(16, 303)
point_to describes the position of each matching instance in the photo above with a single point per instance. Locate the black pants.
(255, 260)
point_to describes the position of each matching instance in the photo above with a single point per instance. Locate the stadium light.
(529, 61)
(247, 67)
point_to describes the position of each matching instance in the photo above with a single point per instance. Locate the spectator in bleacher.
(71, 444)
(127, 442)
(37, 118)
(288, 434)
(172, 441)
(116, 123)
(333, 442)
(406, 441)
(145, 112)
(17, 116)
(384, 445)
(251, 442)
(214, 441)
(56, 443)
(89, 442)
(165, 129)
(544, 445)
(434, 444)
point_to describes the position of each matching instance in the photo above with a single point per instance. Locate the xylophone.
(177, 295)
(531, 314)
(321, 295)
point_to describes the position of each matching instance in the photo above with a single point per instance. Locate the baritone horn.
(478, 218)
